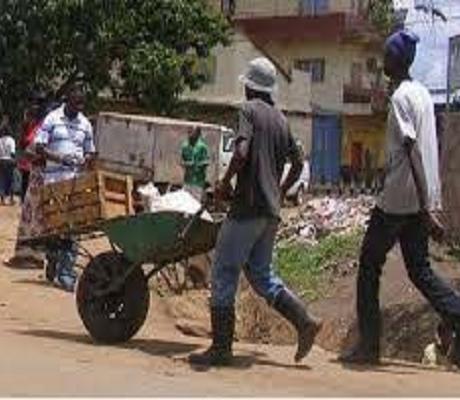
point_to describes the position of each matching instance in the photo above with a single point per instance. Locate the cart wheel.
(113, 317)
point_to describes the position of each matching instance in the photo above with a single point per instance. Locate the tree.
(143, 50)
(382, 15)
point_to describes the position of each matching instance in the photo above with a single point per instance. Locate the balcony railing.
(356, 95)
(375, 97)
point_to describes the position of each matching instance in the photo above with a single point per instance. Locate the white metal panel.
(167, 159)
(126, 145)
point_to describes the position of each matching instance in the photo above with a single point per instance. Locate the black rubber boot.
(292, 308)
(223, 327)
(362, 354)
(454, 352)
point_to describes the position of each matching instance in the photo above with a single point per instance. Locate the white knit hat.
(260, 76)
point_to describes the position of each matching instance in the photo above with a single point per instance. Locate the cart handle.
(188, 227)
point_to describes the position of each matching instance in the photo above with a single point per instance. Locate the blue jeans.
(64, 255)
(246, 244)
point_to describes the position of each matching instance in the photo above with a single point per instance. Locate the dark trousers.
(6, 178)
(24, 184)
(382, 234)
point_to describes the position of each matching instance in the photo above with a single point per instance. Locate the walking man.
(411, 190)
(262, 147)
(65, 140)
(195, 161)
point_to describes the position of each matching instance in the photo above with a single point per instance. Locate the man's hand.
(90, 162)
(223, 191)
(70, 160)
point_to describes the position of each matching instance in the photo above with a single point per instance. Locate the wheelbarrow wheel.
(112, 314)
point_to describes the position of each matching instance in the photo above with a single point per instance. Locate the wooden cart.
(112, 292)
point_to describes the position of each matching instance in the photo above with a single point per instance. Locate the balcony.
(330, 27)
(375, 97)
(263, 8)
(356, 95)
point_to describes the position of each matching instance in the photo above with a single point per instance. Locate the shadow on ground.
(165, 348)
(154, 347)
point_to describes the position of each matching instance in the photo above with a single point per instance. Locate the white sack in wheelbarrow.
(178, 201)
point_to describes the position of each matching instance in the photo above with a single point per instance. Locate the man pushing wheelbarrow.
(263, 145)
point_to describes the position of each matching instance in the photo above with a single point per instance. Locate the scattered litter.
(323, 216)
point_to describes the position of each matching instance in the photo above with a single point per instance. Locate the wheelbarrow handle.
(190, 223)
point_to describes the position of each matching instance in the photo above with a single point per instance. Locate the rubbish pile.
(323, 216)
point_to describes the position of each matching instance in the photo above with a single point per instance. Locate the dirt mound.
(408, 321)
(259, 323)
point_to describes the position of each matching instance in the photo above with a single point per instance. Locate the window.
(313, 7)
(316, 67)
(371, 65)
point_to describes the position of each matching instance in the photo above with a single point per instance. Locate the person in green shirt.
(195, 160)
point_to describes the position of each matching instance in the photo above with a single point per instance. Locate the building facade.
(329, 58)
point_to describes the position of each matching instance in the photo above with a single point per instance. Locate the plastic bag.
(178, 201)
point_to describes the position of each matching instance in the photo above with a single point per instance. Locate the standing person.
(31, 168)
(400, 216)
(195, 161)
(262, 147)
(7, 164)
(32, 119)
(65, 140)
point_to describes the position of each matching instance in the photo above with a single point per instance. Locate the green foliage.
(382, 15)
(143, 50)
(304, 267)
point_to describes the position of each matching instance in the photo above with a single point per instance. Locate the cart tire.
(115, 317)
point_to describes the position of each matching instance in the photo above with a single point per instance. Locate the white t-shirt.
(411, 115)
(7, 148)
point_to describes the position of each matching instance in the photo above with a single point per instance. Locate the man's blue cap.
(403, 46)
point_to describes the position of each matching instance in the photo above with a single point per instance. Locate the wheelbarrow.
(112, 293)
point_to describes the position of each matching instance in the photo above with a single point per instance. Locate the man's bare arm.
(238, 161)
(293, 175)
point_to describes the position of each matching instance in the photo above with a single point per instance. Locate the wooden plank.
(85, 201)
(67, 187)
(83, 216)
(114, 210)
(129, 195)
(77, 201)
(115, 197)
(113, 175)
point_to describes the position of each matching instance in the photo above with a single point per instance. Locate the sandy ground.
(46, 351)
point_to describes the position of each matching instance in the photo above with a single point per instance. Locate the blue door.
(326, 149)
(314, 7)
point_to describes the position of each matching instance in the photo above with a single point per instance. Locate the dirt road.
(46, 351)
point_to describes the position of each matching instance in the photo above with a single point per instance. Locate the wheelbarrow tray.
(156, 237)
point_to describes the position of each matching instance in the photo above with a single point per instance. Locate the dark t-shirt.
(271, 144)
